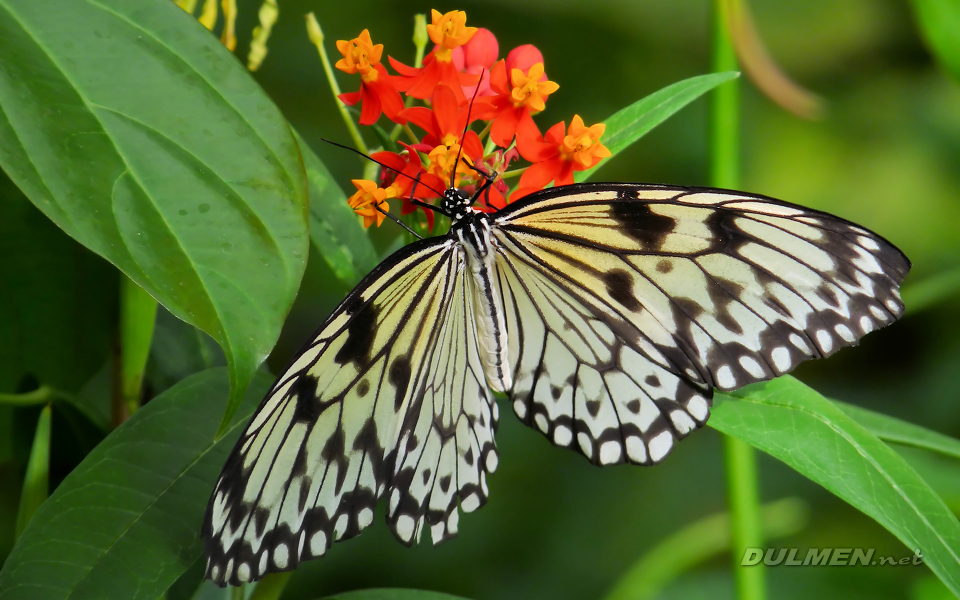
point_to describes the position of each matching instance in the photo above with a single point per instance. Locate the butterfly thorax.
(472, 229)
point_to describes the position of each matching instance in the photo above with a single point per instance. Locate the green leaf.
(335, 230)
(126, 522)
(393, 594)
(891, 429)
(58, 300)
(137, 133)
(795, 424)
(923, 294)
(939, 21)
(633, 122)
(36, 483)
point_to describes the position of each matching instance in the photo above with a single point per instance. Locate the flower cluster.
(461, 81)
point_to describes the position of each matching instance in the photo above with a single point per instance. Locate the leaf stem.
(743, 493)
(316, 36)
(36, 482)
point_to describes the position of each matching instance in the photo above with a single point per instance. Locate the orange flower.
(378, 91)
(367, 199)
(448, 31)
(443, 157)
(557, 155)
(359, 54)
(516, 101)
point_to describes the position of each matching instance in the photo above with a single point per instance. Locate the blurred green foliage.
(887, 155)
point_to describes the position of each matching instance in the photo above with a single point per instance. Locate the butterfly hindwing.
(652, 295)
(377, 403)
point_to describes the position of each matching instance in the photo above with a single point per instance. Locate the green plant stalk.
(138, 315)
(698, 542)
(743, 494)
(316, 36)
(271, 586)
(37, 480)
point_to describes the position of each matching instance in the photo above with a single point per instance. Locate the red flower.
(377, 89)
(477, 57)
(516, 101)
(448, 32)
(557, 155)
(406, 179)
(444, 124)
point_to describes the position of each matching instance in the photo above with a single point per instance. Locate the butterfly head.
(456, 203)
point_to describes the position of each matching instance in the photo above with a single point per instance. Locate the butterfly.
(606, 312)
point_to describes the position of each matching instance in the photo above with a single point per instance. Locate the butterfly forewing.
(681, 290)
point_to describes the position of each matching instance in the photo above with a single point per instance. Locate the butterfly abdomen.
(478, 248)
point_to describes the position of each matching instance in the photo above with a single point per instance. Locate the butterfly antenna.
(399, 222)
(417, 202)
(388, 167)
(453, 173)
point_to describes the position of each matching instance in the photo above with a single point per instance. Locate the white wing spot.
(394, 500)
(660, 446)
(492, 461)
(799, 342)
(844, 332)
(215, 573)
(682, 422)
(436, 532)
(562, 436)
(405, 525)
(866, 325)
(868, 243)
(825, 340)
(318, 543)
(303, 538)
(781, 358)
(520, 407)
(243, 572)
(893, 306)
(698, 407)
(586, 444)
(725, 380)
(878, 313)
(636, 450)
(751, 366)
(365, 517)
(263, 563)
(610, 453)
(281, 554)
(470, 503)
(541, 422)
(341, 527)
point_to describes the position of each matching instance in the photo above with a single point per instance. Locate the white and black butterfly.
(606, 312)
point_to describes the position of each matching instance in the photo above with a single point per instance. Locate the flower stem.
(420, 39)
(740, 461)
(316, 36)
(513, 173)
(138, 314)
